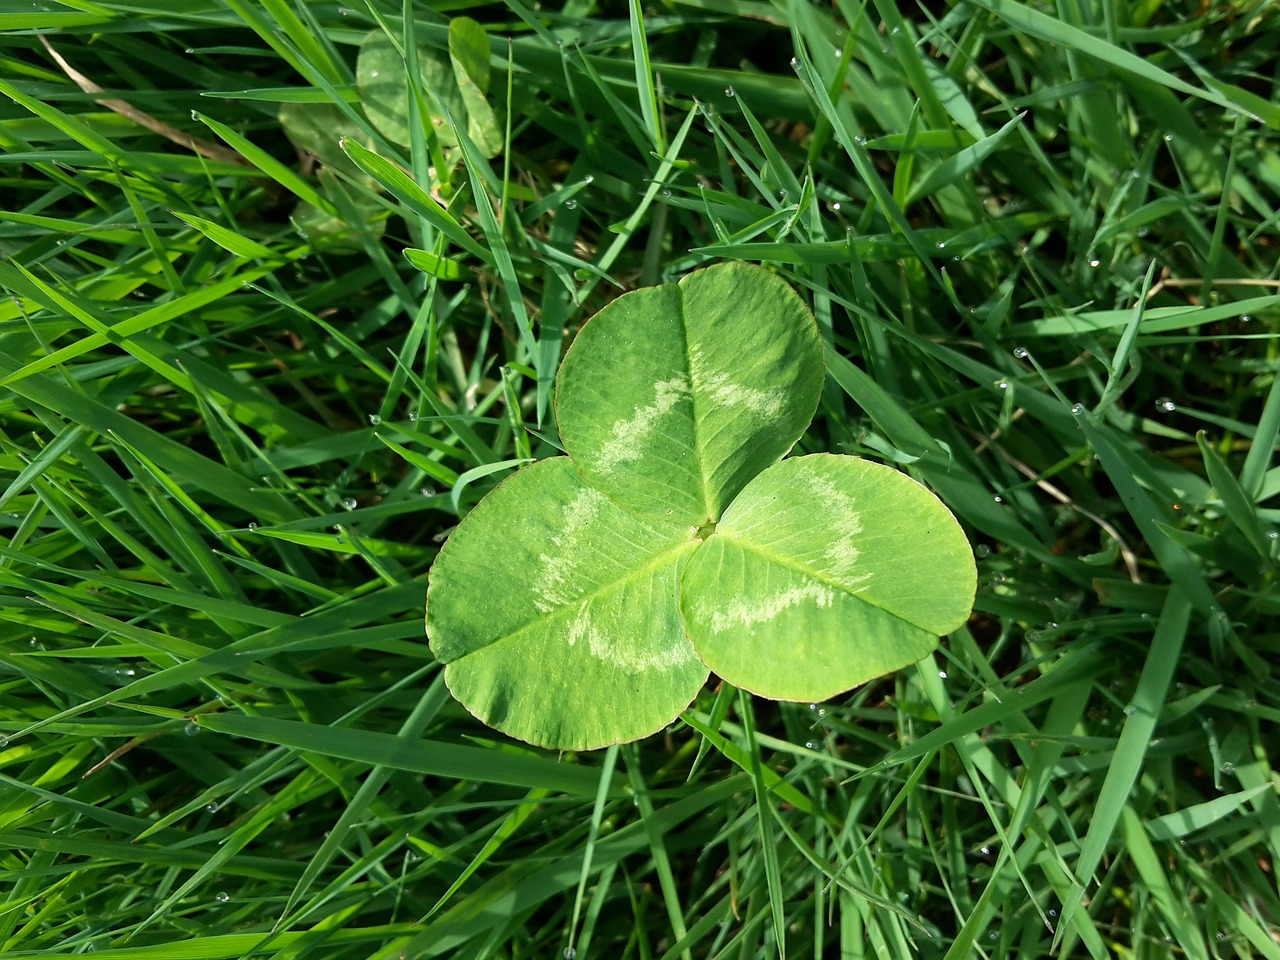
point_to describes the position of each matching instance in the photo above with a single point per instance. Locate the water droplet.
(191, 729)
(1095, 263)
(571, 203)
(568, 953)
(985, 851)
(1168, 138)
(835, 207)
(998, 499)
(941, 245)
(222, 897)
(860, 140)
(942, 674)
(811, 744)
(252, 525)
(349, 503)
(1078, 410)
(1031, 636)
(1227, 767)
(1270, 536)
(413, 415)
(4, 740)
(1021, 353)
(666, 193)
(729, 92)
(896, 31)
(1002, 384)
(1130, 710)
(589, 178)
(126, 672)
(382, 489)
(813, 707)
(373, 73)
(428, 491)
(1165, 405)
(211, 808)
(993, 936)
(374, 419)
(1247, 318)
(795, 64)
(822, 712)
(982, 551)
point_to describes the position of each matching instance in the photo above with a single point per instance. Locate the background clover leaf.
(583, 600)
(672, 398)
(454, 90)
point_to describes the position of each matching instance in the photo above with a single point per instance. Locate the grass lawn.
(274, 319)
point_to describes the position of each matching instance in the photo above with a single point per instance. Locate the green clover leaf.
(457, 88)
(585, 599)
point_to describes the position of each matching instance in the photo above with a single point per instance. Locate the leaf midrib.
(577, 603)
(789, 564)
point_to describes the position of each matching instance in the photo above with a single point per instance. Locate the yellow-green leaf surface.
(556, 613)
(825, 572)
(673, 397)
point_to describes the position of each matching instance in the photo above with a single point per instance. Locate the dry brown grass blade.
(203, 147)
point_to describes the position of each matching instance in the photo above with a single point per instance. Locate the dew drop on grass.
(795, 64)
(1130, 710)
(428, 491)
(1002, 384)
(191, 729)
(252, 526)
(1095, 263)
(1227, 767)
(349, 503)
(1021, 353)
(1247, 318)
(941, 245)
(571, 203)
(222, 897)
(1078, 410)
(569, 953)
(998, 499)
(374, 419)
(982, 551)
(942, 674)
(1165, 405)
(730, 92)
(811, 744)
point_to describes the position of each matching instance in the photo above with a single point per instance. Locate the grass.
(236, 421)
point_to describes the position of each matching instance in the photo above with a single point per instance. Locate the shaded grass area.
(236, 421)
